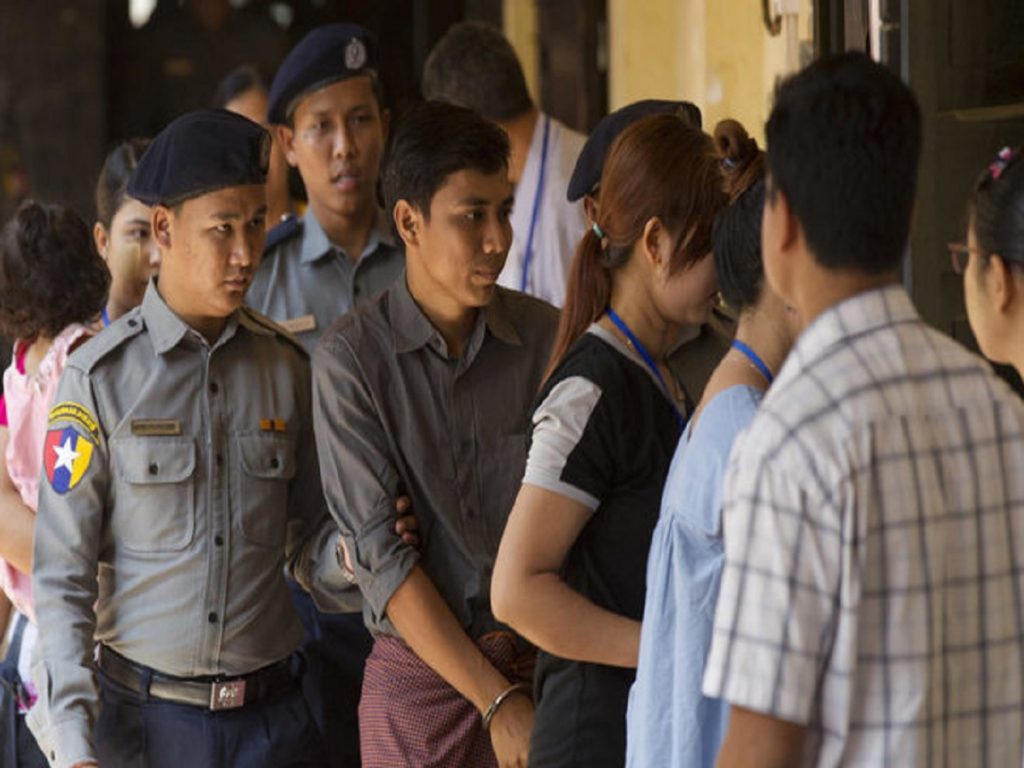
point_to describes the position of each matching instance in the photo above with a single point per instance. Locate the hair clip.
(1003, 158)
(597, 231)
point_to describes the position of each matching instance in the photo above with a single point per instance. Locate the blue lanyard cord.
(528, 254)
(106, 318)
(754, 358)
(648, 361)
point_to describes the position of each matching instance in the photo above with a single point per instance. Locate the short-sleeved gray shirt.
(179, 478)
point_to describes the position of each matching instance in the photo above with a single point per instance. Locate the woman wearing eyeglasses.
(992, 260)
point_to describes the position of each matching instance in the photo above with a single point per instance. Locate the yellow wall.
(715, 53)
(519, 23)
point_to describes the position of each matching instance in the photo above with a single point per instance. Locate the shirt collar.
(412, 329)
(851, 317)
(167, 329)
(316, 244)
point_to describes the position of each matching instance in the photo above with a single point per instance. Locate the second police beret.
(590, 163)
(326, 55)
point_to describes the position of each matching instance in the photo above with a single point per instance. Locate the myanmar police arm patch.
(70, 443)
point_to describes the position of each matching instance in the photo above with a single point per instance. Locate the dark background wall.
(76, 77)
(53, 100)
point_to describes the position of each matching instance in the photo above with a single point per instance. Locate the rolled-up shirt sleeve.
(68, 535)
(311, 548)
(360, 479)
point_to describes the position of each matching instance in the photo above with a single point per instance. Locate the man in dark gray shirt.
(427, 392)
(325, 106)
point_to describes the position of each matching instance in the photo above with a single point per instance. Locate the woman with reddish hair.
(570, 570)
(53, 286)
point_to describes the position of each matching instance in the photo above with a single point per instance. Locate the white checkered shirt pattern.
(874, 536)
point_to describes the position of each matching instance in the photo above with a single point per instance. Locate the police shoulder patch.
(71, 438)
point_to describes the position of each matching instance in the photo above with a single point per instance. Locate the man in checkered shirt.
(871, 604)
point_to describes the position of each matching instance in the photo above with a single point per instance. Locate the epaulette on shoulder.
(265, 322)
(87, 356)
(286, 230)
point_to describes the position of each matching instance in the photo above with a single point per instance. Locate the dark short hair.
(475, 66)
(844, 139)
(996, 210)
(112, 183)
(50, 273)
(236, 82)
(432, 141)
(736, 243)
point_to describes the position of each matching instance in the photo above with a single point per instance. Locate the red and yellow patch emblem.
(67, 452)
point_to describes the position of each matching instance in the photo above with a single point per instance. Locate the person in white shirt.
(474, 66)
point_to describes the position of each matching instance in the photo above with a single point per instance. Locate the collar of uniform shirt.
(167, 329)
(316, 245)
(412, 329)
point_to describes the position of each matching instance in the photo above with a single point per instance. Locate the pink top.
(28, 400)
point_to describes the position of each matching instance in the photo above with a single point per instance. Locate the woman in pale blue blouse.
(669, 721)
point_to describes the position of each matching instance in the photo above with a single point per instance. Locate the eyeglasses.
(960, 254)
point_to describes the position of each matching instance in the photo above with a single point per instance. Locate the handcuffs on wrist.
(500, 699)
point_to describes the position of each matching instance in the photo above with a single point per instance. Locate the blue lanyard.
(648, 361)
(753, 357)
(528, 255)
(106, 318)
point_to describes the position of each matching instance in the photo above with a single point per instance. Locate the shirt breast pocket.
(155, 486)
(268, 464)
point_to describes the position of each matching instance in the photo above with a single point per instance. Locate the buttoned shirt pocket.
(155, 489)
(268, 464)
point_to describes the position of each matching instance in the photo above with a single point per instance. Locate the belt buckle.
(229, 694)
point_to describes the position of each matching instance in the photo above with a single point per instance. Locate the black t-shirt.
(604, 434)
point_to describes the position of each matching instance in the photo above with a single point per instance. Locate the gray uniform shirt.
(178, 478)
(395, 414)
(305, 283)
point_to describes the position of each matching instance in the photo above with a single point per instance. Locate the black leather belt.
(213, 694)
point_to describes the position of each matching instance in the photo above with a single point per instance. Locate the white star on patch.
(66, 456)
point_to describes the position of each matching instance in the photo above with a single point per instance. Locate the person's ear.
(656, 244)
(780, 228)
(286, 138)
(999, 283)
(100, 238)
(160, 222)
(590, 207)
(409, 223)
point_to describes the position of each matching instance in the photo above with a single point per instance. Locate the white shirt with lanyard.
(546, 227)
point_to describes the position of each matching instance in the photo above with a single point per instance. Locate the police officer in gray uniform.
(325, 106)
(179, 482)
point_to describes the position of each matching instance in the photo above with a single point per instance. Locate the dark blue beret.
(200, 152)
(590, 163)
(326, 55)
